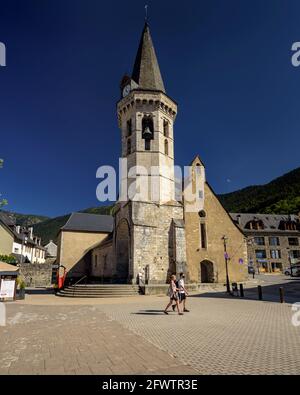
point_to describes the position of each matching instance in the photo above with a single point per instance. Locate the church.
(153, 234)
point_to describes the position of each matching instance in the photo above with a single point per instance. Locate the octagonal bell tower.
(147, 204)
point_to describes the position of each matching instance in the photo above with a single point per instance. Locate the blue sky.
(226, 63)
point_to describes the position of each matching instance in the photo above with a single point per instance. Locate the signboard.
(7, 289)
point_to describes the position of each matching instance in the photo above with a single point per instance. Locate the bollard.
(241, 290)
(281, 294)
(260, 296)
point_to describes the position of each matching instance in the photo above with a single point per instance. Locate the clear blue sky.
(227, 64)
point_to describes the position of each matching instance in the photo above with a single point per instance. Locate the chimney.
(238, 219)
(18, 228)
(30, 232)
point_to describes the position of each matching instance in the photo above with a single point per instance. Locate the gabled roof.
(146, 72)
(89, 223)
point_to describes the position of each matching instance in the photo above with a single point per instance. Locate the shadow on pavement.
(39, 291)
(150, 312)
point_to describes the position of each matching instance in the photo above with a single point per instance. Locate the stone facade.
(74, 250)
(37, 275)
(205, 247)
(273, 241)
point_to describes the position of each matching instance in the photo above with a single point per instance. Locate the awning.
(8, 270)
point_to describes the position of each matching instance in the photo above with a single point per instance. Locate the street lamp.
(224, 238)
(290, 260)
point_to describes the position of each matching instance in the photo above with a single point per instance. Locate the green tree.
(3, 202)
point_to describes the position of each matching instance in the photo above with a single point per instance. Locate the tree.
(3, 202)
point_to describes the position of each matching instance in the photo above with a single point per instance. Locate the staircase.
(99, 291)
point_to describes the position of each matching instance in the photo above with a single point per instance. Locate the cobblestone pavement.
(220, 336)
(50, 335)
(76, 340)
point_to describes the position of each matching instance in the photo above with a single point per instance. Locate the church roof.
(146, 72)
(89, 223)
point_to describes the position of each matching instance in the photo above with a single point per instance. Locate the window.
(96, 260)
(255, 225)
(295, 254)
(166, 147)
(128, 146)
(261, 254)
(275, 254)
(276, 267)
(274, 241)
(166, 128)
(147, 128)
(129, 127)
(147, 145)
(260, 241)
(293, 241)
(202, 214)
(203, 235)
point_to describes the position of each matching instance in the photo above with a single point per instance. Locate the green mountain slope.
(49, 229)
(26, 219)
(280, 196)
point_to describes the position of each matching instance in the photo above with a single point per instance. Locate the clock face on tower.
(126, 90)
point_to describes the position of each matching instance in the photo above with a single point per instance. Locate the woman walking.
(173, 293)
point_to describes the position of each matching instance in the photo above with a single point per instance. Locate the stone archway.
(122, 251)
(206, 272)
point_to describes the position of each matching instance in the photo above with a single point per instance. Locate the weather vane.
(146, 13)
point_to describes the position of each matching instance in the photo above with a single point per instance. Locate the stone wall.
(36, 275)
(73, 249)
(217, 223)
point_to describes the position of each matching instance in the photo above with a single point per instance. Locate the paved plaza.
(50, 335)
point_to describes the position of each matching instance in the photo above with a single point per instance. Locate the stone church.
(154, 235)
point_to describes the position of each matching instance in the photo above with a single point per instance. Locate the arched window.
(128, 146)
(129, 127)
(147, 128)
(166, 147)
(166, 128)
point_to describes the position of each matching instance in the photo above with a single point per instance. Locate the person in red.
(173, 294)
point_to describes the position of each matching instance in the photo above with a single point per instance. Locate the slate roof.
(271, 221)
(146, 72)
(9, 224)
(89, 223)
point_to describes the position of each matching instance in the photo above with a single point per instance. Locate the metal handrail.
(82, 278)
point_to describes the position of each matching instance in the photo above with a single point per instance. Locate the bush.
(8, 259)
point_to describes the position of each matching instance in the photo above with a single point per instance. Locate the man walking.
(182, 292)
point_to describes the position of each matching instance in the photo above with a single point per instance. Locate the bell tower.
(146, 117)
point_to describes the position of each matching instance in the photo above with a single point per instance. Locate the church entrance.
(206, 272)
(122, 251)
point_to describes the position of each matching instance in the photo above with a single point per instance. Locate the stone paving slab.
(76, 340)
(219, 336)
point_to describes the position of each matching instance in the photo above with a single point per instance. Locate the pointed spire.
(146, 72)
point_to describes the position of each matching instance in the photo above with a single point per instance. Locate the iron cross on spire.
(146, 13)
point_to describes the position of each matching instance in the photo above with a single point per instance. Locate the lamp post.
(290, 261)
(224, 238)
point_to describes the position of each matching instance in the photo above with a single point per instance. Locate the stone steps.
(99, 291)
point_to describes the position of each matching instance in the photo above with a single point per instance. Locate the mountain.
(48, 229)
(26, 219)
(280, 196)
